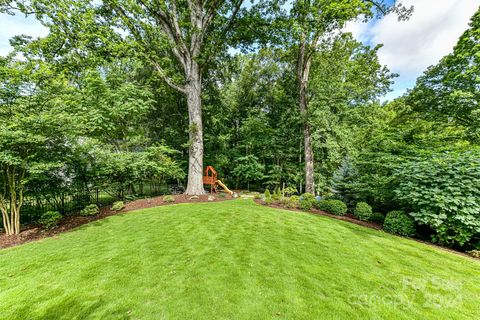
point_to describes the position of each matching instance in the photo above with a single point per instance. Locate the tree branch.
(167, 79)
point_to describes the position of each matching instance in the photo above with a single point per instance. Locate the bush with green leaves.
(90, 210)
(268, 201)
(377, 217)
(267, 193)
(168, 199)
(284, 201)
(398, 222)
(50, 219)
(293, 202)
(363, 211)
(306, 201)
(442, 191)
(276, 195)
(118, 205)
(289, 191)
(336, 207)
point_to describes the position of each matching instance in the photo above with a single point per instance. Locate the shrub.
(267, 194)
(306, 201)
(398, 222)
(377, 217)
(474, 253)
(293, 202)
(276, 194)
(50, 219)
(289, 191)
(222, 195)
(90, 210)
(336, 207)
(284, 201)
(168, 199)
(118, 205)
(268, 201)
(443, 192)
(257, 196)
(363, 211)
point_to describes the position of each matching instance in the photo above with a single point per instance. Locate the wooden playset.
(210, 178)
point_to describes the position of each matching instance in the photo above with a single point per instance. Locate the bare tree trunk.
(193, 91)
(303, 72)
(11, 213)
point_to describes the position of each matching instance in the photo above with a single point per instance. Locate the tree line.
(270, 93)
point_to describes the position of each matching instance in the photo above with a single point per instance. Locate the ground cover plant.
(233, 259)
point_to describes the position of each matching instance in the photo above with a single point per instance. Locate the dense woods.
(273, 94)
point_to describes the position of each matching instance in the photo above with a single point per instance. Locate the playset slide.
(224, 187)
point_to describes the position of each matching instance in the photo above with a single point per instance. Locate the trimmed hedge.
(336, 207)
(363, 211)
(377, 217)
(398, 222)
(306, 201)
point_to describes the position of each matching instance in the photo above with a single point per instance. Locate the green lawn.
(233, 260)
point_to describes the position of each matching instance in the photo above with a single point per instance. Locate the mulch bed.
(348, 217)
(351, 218)
(32, 233)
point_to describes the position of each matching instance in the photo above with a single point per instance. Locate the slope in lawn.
(234, 260)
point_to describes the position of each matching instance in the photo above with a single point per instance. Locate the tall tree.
(33, 130)
(178, 37)
(450, 90)
(310, 21)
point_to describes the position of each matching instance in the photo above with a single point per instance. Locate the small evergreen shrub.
(306, 201)
(293, 202)
(257, 196)
(267, 194)
(336, 207)
(322, 205)
(49, 219)
(276, 194)
(222, 195)
(168, 199)
(363, 211)
(117, 206)
(377, 217)
(284, 201)
(90, 210)
(398, 222)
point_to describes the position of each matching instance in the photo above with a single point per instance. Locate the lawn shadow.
(71, 307)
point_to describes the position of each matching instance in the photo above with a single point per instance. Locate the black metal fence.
(72, 201)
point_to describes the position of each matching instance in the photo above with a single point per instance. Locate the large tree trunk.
(193, 91)
(303, 73)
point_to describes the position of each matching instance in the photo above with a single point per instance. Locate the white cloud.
(411, 46)
(16, 25)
